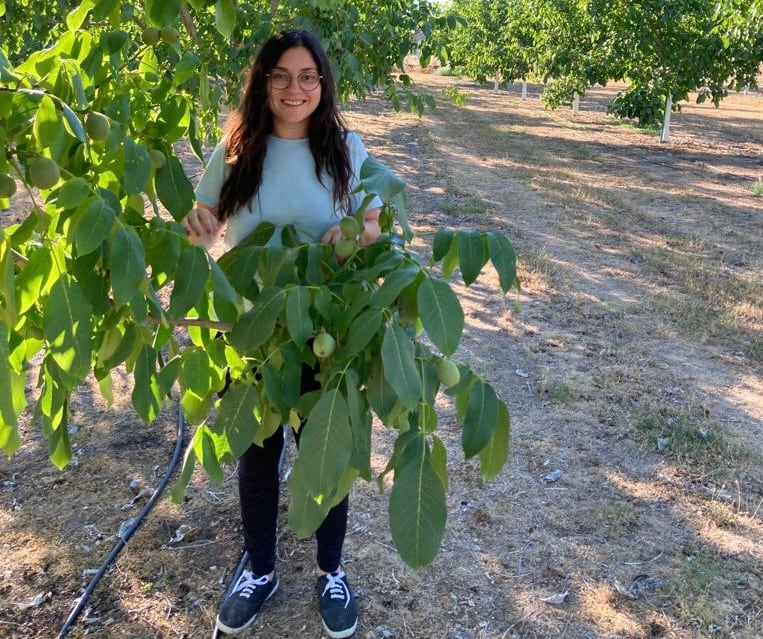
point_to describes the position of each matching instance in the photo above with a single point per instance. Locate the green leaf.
(225, 17)
(393, 284)
(67, 327)
(129, 261)
(256, 326)
(298, 320)
(189, 462)
(494, 455)
(236, 417)
(363, 328)
(226, 300)
(146, 394)
(327, 439)
(93, 226)
(480, 418)
(59, 446)
(196, 372)
(137, 167)
(204, 447)
(439, 459)
(74, 192)
(441, 314)
(471, 255)
(9, 439)
(7, 284)
(305, 513)
(77, 16)
(46, 122)
(163, 13)
(504, 259)
(240, 266)
(174, 189)
(417, 508)
(400, 365)
(34, 280)
(378, 178)
(441, 244)
(191, 277)
(361, 424)
(381, 396)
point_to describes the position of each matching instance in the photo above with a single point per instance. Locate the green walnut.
(169, 35)
(344, 248)
(150, 36)
(97, 126)
(7, 185)
(324, 346)
(158, 159)
(448, 372)
(349, 227)
(44, 173)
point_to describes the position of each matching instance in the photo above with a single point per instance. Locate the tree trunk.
(576, 104)
(665, 131)
(497, 80)
(524, 89)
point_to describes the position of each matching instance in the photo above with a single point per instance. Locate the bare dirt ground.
(632, 361)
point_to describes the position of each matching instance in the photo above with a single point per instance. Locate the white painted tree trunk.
(576, 104)
(524, 89)
(665, 132)
(497, 82)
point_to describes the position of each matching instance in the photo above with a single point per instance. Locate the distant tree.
(494, 39)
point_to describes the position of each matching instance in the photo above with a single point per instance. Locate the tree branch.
(224, 327)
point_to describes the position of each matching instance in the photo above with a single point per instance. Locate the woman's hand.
(332, 236)
(202, 225)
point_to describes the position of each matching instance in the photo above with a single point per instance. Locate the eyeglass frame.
(297, 77)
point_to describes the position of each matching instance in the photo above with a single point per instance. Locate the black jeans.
(258, 486)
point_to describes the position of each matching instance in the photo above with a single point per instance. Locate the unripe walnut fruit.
(97, 126)
(44, 173)
(7, 185)
(344, 247)
(158, 159)
(349, 227)
(324, 346)
(150, 35)
(169, 35)
(448, 372)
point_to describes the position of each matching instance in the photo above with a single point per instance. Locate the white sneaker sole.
(340, 634)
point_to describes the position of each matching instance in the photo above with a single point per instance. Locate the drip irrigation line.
(126, 530)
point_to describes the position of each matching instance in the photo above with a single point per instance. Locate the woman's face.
(292, 106)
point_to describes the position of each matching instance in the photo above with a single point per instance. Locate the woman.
(286, 158)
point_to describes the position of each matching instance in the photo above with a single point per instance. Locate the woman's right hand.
(202, 225)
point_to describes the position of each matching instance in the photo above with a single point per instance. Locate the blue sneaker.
(240, 608)
(339, 612)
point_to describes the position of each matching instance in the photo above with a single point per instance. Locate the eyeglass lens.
(307, 80)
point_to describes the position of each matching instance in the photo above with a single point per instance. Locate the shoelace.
(336, 588)
(247, 584)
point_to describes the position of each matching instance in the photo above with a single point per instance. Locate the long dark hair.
(246, 130)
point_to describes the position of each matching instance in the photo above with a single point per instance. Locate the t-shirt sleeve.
(208, 189)
(358, 154)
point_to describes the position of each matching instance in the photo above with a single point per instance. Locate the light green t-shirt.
(290, 192)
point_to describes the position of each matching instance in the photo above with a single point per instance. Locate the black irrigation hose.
(126, 531)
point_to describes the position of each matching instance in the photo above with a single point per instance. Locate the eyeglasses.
(307, 80)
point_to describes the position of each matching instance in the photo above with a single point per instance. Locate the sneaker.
(339, 612)
(240, 608)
